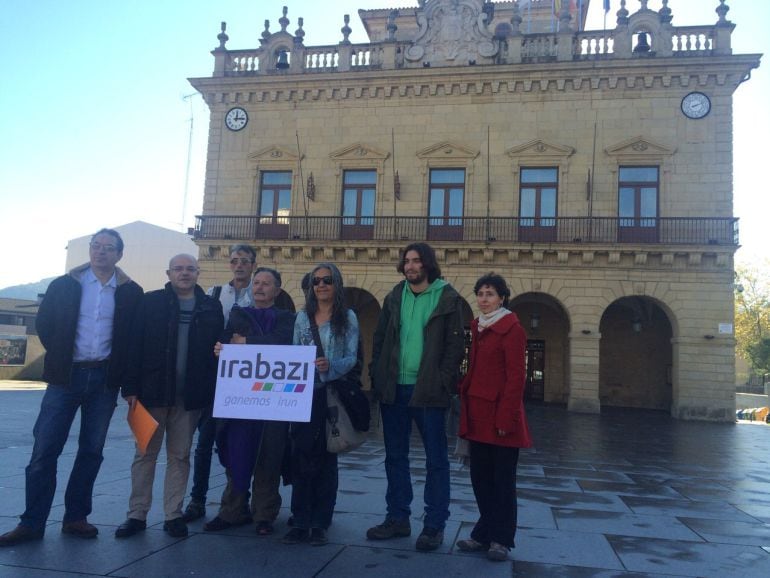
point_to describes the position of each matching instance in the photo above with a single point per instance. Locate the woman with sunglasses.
(314, 470)
(492, 417)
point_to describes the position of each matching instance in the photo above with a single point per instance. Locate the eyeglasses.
(98, 247)
(241, 260)
(326, 280)
(179, 269)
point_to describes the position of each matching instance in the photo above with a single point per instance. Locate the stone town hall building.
(592, 169)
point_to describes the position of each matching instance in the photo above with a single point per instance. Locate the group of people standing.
(102, 334)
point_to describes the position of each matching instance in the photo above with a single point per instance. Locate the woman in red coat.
(492, 417)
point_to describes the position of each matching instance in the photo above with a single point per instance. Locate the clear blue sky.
(94, 129)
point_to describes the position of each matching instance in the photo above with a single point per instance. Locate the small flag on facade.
(396, 186)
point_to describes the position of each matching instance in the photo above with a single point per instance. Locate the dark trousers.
(314, 470)
(493, 475)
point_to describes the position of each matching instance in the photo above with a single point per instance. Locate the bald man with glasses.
(173, 374)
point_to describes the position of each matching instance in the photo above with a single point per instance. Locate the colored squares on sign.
(260, 386)
(279, 387)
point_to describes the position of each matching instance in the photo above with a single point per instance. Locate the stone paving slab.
(691, 558)
(713, 510)
(673, 499)
(727, 532)
(629, 489)
(667, 527)
(566, 547)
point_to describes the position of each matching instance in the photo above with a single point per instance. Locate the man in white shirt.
(243, 261)
(84, 324)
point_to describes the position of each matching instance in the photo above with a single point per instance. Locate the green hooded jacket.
(443, 348)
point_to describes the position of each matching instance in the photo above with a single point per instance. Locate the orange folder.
(142, 424)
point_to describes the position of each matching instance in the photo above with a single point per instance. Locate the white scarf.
(489, 319)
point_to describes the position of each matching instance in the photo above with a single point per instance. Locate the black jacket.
(152, 375)
(57, 321)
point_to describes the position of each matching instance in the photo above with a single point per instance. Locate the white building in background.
(148, 249)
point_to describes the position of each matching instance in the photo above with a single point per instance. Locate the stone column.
(584, 373)
(704, 378)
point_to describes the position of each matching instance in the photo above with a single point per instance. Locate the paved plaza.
(624, 494)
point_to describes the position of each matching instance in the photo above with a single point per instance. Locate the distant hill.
(26, 291)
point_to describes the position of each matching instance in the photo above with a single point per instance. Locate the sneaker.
(195, 510)
(390, 528)
(264, 528)
(19, 535)
(80, 529)
(497, 552)
(471, 545)
(130, 527)
(296, 535)
(318, 537)
(429, 539)
(175, 528)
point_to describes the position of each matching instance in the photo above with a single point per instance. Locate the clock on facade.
(696, 105)
(236, 118)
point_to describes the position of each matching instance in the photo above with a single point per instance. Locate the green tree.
(752, 316)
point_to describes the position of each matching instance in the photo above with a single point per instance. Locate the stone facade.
(629, 312)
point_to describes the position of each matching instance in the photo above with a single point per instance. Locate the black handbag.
(354, 401)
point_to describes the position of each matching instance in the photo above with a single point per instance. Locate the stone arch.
(636, 354)
(645, 22)
(367, 309)
(547, 323)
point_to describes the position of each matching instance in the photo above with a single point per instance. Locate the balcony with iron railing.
(511, 230)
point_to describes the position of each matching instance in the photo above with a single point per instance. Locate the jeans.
(88, 392)
(207, 431)
(397, 429)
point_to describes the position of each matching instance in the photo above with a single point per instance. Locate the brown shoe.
(80, 529)
(19, 535)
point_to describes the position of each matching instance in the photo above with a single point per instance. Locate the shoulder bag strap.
(316, 336)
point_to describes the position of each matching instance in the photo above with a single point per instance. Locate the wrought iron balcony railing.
(560, 230)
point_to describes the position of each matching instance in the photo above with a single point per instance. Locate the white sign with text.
(273, 382)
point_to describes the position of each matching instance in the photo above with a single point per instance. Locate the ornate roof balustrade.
(453, 35)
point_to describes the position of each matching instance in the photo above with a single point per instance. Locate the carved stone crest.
(452, 33)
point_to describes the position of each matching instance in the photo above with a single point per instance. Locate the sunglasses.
(326, 280)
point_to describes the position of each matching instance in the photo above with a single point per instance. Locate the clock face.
(696, 105)
(236, 118)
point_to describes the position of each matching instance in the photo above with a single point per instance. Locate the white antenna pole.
(188, 98)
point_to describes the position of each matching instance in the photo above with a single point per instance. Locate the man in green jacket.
(417, 351)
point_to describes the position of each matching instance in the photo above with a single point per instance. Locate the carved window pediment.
(639, 148)
(359, 156)
(274, 153)
(541, 150)
(359, 152)
(447, 151)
